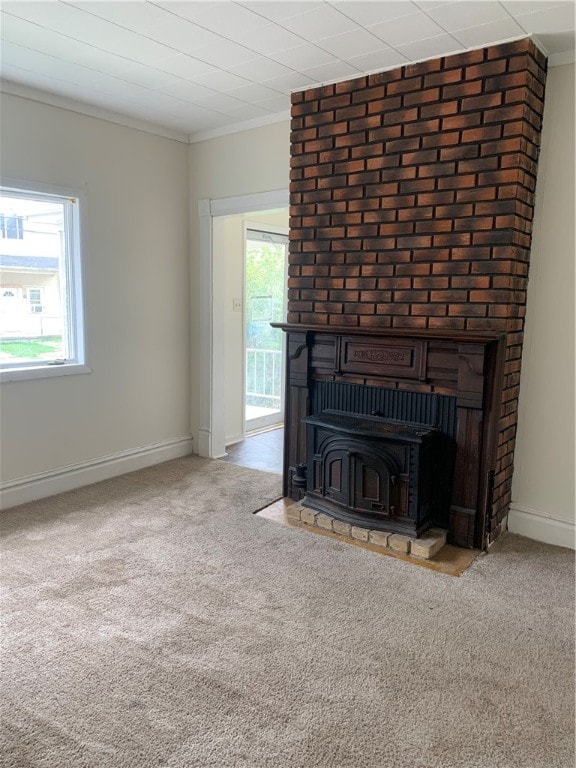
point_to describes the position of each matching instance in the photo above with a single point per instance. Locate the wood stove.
(445, 389)
(378, 474)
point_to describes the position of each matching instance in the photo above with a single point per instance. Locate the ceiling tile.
(248, 112)
(373, 12)
(31, 35)
(352, 43)
(137, 16)
(219, 102)
(332, 71)
(291, 82)
(254, 92)
(183, 66)
(278, 10)
(484, 34)
(226, 22)
(182, 35)
(188, 91)
(322, 22)
(303, 57)
(277, 104)
(268, 39)
(459, 15)
(517, 7)
(220, 80)
(417, 26)
(378, 60)
(193, 11)
(147, 77)
(260, 67)
(432, 46)
(225, 54)
(557, 19)
(77, 24)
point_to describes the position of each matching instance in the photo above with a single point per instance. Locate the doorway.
(265, 273)
(214, 305)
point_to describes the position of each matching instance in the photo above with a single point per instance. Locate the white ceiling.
(195, 69)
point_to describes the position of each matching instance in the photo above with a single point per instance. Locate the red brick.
(422, 156)
(320, 118)
(461, 89)
(469, 282)
(467, 310)
(486, 101)
(486, 69)
(439, 109)
(421, 127)
(404, 86)
(434, 225)
(450, 268)
(401, 116)
(393, 309)
(357, 84)
(421, 97)
(332, 129)
(386, 133)
(486, 133)
(443, 78)
(430, 310)
(336, 102)
(367, 150)
(364, 123)
(368, 94)
(444, 139)
(446, 323)
(333, 155)
(409, 322)
(461, 121)
(322, 92)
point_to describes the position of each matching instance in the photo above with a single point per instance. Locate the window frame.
(74, 226)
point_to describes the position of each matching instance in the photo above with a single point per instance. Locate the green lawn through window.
(32, 349)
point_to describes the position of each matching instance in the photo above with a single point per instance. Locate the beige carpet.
(152, 620)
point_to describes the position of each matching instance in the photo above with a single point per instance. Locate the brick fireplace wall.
(412, 198)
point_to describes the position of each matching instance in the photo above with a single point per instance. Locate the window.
(35, 299)
(11, 227)
(41, 321)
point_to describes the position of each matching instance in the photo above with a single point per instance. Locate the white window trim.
(75, 269)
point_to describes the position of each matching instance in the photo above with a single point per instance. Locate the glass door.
(265, 281)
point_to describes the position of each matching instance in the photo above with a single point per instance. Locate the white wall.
(137, 293)
(250, 162)
(543, 485)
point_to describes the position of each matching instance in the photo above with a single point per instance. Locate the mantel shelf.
(468, 337)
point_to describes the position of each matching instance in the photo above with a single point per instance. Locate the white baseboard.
(73, 476)
(206, 446)
(538, 525)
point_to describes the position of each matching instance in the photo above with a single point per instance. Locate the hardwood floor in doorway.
(263, 450)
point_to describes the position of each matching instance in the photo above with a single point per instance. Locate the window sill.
(42, 372)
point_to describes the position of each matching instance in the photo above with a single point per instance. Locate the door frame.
(212, 428)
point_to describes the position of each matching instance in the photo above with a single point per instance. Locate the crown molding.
(80, 107)
(246, 125)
